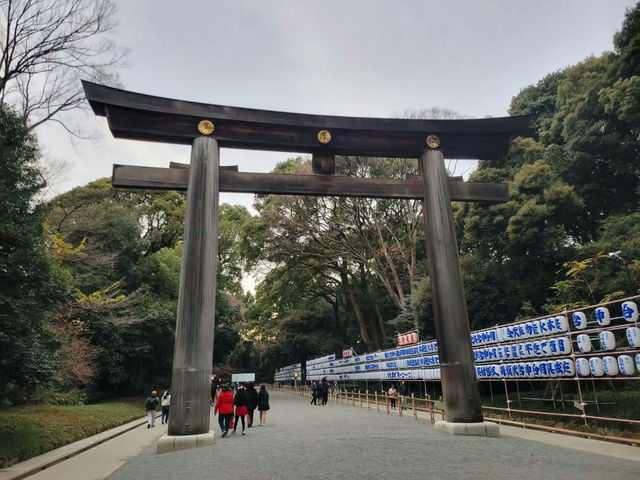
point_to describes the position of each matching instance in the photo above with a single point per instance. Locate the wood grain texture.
(233, 168)
(125, 176)
(193, 351)
(323, 163)
(145, 117)
(459, 384)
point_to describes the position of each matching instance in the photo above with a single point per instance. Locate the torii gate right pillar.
(460, 390)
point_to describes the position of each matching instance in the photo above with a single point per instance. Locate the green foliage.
(539, 101)
(30, 284)
(162, 272)
(233, 222)
(587, 119)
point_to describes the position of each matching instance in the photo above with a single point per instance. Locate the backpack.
(150, 404)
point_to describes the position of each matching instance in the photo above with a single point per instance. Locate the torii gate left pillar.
(193, 352)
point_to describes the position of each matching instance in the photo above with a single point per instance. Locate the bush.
(55, 397)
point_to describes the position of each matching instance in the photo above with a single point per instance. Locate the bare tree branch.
(47, 47)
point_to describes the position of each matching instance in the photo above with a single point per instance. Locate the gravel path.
(301, 441)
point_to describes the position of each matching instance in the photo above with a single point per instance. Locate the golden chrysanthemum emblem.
(433, 141)
(324, 136)
(206, 127)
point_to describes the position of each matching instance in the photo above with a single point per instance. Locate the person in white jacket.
(164, 402)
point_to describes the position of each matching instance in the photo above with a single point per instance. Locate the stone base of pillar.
(171, 443)
(481, 429)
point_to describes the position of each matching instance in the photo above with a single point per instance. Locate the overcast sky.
(345, 57)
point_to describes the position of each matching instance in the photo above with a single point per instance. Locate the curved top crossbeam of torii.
(145, 117)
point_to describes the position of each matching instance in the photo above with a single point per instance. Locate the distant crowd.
(231, 409)
(319, 391)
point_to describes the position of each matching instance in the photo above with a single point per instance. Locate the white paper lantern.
(564, 345)
(544, 348)
(537, 351)
(625, 364)
(569, 368)
(607, 340)
(542, 369)
(584, 343)
(602, 316)
(633, 337)
(582, 366)
(630, 311)
(528, 349)
(501, 332)
(638, 362)
(596, 366)
(610, 365)
(579, 320)
(535, 325)
(528, 369)
(562, 323)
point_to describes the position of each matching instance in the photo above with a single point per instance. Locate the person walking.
(164, 404)
(403, 391)
(241, 408)
(224, 409)
(150, 405)
(324, 390)
(314, 393)
(263, 404)
(252, 403)
(393, 393)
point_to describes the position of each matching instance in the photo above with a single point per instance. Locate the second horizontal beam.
(126, 176)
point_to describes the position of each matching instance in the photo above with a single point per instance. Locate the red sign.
(347, 353)
(408, 338)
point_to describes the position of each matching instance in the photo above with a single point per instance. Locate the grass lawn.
(29, 431)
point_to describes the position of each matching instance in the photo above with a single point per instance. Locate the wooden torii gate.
(209, 127)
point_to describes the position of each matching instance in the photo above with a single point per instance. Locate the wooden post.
(386, 402)
(353, 397)
(368, 403)
(360, 398)
(193, 351)
(459, 383)
(376, 400)
(323, 163)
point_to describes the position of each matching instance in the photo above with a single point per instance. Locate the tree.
(30, 284)
(47, 47)
(587, 118)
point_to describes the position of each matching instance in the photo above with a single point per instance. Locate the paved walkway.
(339, 441)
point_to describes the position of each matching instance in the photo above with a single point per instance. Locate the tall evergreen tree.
(29, 283)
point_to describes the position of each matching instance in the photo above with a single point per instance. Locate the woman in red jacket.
(224, 408)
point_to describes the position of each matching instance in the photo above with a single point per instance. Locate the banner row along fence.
(599, 343)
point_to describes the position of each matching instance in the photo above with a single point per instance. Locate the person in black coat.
(252, 402)
(324, 389)
(263, 404)
(240, 402)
